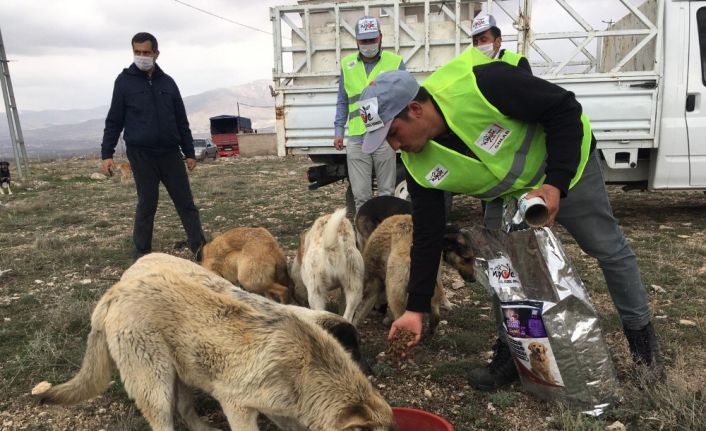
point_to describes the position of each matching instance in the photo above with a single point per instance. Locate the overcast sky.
(66, 54)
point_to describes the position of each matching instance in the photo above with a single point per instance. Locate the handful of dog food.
(398, 351)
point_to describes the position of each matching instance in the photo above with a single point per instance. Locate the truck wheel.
(401, 183)
(350, 203)
(401, 190)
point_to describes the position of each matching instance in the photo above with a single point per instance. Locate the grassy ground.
(66, 238)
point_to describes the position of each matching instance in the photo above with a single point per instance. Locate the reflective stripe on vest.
(355, 81)
(509, 154)
(510, 57)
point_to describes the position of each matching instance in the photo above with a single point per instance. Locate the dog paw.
(41, 387)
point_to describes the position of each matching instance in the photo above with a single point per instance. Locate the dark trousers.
(148, 171)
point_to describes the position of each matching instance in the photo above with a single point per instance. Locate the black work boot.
(500, 372)
(645, 351)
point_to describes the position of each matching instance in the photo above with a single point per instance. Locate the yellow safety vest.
(510, 153)
(511, 58)
(355, 80)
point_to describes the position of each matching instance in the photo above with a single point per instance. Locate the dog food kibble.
(398, 346)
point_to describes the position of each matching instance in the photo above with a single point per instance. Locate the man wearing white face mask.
(488, 38)
(357, 70)
(147, 105)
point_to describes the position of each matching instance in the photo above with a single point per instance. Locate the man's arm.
(182, 122)
(114, 121)
(428, 219)
(341, 118)
(524, 64)
(528, 98)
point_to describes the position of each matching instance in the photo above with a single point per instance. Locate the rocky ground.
(66, 238)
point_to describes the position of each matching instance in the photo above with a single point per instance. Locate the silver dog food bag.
(552, 328)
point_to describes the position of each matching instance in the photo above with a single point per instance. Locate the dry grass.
(65, 239)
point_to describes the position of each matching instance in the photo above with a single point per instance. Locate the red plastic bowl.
(419, 420)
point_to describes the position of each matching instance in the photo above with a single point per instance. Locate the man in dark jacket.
(147, 105)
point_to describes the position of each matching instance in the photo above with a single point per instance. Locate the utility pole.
(13, 118)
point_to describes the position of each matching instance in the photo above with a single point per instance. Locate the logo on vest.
(437, 175)
(368, 109)
(351, 64)
(492, 138)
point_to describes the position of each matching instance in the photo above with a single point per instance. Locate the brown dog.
(387, 260)
(251, 258)
(125, 173)
(540, 362)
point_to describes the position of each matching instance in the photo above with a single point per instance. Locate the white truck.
(638, 67)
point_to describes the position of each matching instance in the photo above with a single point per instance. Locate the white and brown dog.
(328, 259)
(5, 178)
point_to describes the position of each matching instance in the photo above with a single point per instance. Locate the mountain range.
(57, 133)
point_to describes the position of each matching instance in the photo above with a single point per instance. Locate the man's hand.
(108, 167)
(551, 196)
(411, 321)
(338, 143)
(191, 164)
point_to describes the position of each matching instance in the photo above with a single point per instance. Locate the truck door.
(695, 104)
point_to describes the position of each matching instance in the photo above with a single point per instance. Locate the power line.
(222, 17)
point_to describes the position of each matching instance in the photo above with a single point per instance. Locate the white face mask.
(144, 63)
(369, 51)
(487, 49)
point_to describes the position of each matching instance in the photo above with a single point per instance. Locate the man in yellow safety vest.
(357, 70)
(484, 128)
(487, 37)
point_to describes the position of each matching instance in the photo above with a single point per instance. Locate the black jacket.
(150, 110)
(516, 94)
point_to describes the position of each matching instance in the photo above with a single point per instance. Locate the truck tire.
(401, 183)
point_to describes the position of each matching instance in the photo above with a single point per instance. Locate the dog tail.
(94, 376)
(331, 228)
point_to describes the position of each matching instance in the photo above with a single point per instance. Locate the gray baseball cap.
(367, 27)
(481, 24)
(381, 101)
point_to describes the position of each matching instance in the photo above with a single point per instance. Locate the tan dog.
(251, 258)
(166, 332)
(125, 173)
(328, 259)
(387, 261)
(539, 362)
(342, 330)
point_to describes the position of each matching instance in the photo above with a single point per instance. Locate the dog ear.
(451, 233)
(354, 418)
(451, 228)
